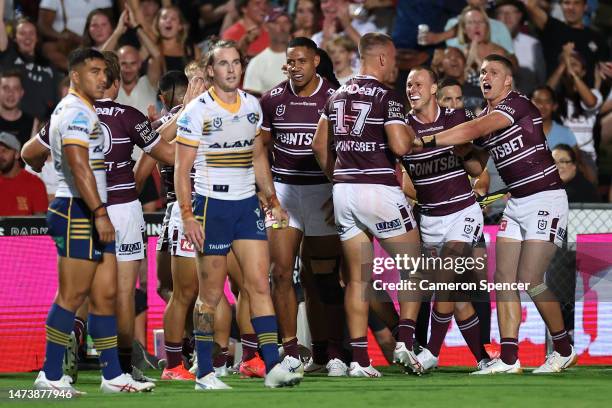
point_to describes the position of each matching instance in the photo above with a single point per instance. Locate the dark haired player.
(535, 218)
(365, 122)
(451, 221)
(81, 228)
(291, 111)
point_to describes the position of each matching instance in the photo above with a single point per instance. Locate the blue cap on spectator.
(10, 141)
(275, 13)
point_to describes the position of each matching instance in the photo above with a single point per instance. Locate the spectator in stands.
(98, 29)
(137, 91)
(499, 33)
(61, 24)
(337, 20)
(451, 63)
(12, 118)
(450, 94)
(306, 19)
(145, 12)
(171, 32)
(265, 70)
(39, 80)
(527, 49)
(580, 103)
(555, 34)
(22, 193)
(342, 51)
(578, 188)
(249, 31)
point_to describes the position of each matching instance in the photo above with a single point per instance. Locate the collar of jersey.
(104, 100)
(312, 94)
(78, 95)
(230, 107)
(437, 116)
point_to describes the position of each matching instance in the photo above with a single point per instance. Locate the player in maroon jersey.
(535, 218)
(365, 122)
(291, 111)
(450, 220)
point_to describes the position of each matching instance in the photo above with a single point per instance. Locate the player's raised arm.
(321, 147)
(468, 131)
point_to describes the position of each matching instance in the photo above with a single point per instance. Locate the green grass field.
(448, 387)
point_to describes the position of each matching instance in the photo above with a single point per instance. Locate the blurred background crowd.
(560, 49)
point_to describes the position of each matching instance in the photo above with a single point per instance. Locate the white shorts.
(129, 226)
(178, 244)
(304, 205)
(381, 210)
(463, 226)
(541, 216)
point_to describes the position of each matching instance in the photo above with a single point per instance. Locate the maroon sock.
(406, 332)
(220, 359)
(470, 329)
(335, 349)
(360, 351)
(319, 352)
(79, 330)
(509, 350)
(249, 346)
(174, 354)
(291, 348)
(439, 327)
(561, 343)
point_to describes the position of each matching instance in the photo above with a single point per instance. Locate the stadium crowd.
(560, 51)
(558, 54)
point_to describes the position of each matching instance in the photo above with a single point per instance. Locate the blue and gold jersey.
(74, 122)
(224, 135)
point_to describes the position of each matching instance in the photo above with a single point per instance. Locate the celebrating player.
(366, 123)
(218, 131)
(80, 226)
(290, 116)
(451, 221)
(535, 218)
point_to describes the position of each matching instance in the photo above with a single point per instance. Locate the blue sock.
(267, 334)
(59, 325)
(103, 331)
(204, 348)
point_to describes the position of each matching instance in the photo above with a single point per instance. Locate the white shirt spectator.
(532, 68)
(362, 27)
(76, 12)
(583, 125)
(265, 71)
(143, 95)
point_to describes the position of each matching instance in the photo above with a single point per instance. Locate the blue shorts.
(71, 225)
(226, 221)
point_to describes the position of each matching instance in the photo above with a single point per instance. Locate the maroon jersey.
(292, 121)
(167, 171)
(124, 128)
(358, 113)
(520, 151)
(442, 185)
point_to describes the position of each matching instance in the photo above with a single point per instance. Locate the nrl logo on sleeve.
(280, 110)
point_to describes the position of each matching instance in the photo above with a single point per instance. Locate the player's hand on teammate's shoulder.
(194, 232)
(104, 227)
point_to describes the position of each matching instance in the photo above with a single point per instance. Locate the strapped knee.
(537, 290)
